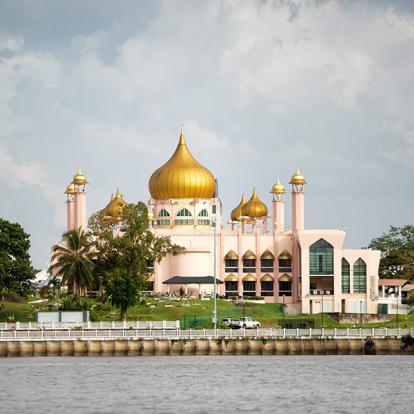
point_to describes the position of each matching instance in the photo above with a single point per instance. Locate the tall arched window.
(346, 271)
(360, 276)
(183, 220)
(165, 220)
(321, 258)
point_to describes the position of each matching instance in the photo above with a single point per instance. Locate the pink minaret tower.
(70, 207)
(278, 207)
(298, 201)
(78, 217)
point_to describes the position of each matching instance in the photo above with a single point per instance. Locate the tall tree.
(72, 259)
(397, 252)
(16, 270)
(124, 247)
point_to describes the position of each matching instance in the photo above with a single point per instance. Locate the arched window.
(249, 262)
(231, 285)
(346, 269)
(249, 285)
(285, 285)
(285, 262)
(203, 221)
(266, 262)
(360, 276)
(184, 221)
(321, 258)
(164, 213)
(165, 220)
(184, 213)
(231, 262)
(267, 285)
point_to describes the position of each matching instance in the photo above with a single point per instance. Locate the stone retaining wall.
(137, 347)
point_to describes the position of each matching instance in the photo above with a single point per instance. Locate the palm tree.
(72, 259)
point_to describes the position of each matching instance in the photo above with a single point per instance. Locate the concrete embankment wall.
(137, 347)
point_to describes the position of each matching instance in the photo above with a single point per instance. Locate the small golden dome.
(182, 177)
(237, 212)
(254, 207)
(297, 178)
(79, 178)
(278, 188)
(115, 207)
(70, 189)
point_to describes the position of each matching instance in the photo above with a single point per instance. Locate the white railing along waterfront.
(28, 326)
(261, 333)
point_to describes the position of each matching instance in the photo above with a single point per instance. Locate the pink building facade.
(253, 253)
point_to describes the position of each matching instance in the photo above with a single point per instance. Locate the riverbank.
(237, 346)
(194, 313)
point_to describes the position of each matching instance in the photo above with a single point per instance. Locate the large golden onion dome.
(254, 207)
(79, 178)
(278, 188)
(70, 189)
(115, 207)
(182, 177)
(297, 178)
(237, 212)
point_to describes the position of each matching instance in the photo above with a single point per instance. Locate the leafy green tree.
(73, 260)
(397, 252)
(16, 270)
(124, 248)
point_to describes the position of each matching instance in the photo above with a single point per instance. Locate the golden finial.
(237, 212)
(70, 189)
(297, 178)
(278, 188)
(79, 178)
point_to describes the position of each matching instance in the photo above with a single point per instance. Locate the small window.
(164, 213)
(203, 213)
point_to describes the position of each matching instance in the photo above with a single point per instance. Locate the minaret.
(298, 201)
(278, 207)
(79, 181)
(70, 207)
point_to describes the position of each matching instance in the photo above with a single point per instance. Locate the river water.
(226, 384)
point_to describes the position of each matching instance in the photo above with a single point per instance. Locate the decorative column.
(70, 208)
(298, 201)
(278, 207)
(79, 181)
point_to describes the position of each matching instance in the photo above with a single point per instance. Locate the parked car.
(247, 323)
(228, 322)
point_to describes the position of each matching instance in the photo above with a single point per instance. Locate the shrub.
(13, 297)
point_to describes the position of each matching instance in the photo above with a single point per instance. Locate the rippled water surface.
(262, 384)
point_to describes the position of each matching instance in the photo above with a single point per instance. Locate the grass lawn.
(193, 312)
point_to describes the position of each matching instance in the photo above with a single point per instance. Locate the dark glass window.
(231, 265)
(249, 265)
(346, 272)
(249, 286)
(321, 258)
(266, 265)
(285, 288)
(268, 285)
(360, 276)
(285, 265)
(231, 286)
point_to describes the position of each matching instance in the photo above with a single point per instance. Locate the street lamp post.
(283, 310)
(322, 308)
(214, 274)
(360, 313)
(397, 313)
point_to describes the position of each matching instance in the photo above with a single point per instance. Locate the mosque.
(251, 254)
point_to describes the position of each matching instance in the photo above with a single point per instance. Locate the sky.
(261, 87)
